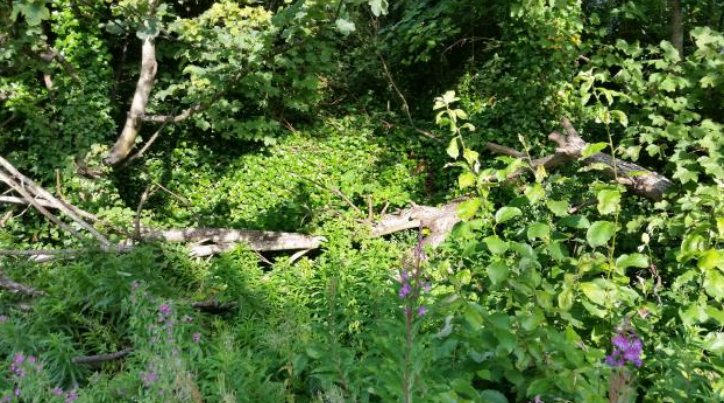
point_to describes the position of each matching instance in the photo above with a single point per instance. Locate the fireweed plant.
(412, 286)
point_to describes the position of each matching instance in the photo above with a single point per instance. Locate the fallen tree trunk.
(640, 180)
(97, 360)
(439, 220)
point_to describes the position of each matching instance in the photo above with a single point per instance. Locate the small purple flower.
(404, 275)
(17, 392)
(625, 350)
(71, 396)
(7, 398)
(405, 290)
(426, 287)
(421, 310)
(165, 309)
(18, 359)
(3, 319)
(196, 337)
(57, 391)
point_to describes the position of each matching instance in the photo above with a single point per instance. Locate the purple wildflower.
(405, 290)
(421, 310)
(196, 337)
(17, 391)
(3, 318)
(7, 398)
(57, 391)
(18, 359)
(626, 349)
(165, 309)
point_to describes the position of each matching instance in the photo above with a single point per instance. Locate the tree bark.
(676, 26)
(144, 86)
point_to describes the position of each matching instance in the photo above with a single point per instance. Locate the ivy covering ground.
(559, 283)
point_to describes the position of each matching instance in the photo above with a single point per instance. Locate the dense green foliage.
(320, 116)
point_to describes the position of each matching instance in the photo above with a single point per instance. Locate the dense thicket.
(362, 201)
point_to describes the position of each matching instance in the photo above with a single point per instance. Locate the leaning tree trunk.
(140, 98)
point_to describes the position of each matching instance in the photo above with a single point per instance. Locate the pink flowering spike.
(18, 358)
(165, 309)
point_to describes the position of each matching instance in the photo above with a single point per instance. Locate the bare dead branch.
(40, 192)
(642, 181)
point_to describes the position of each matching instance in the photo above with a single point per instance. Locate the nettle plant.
(546, 303)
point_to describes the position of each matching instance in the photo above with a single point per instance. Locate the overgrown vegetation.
(362, 201)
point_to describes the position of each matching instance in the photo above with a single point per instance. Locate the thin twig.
(405, 105)
(95, 360)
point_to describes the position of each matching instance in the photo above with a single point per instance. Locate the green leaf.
(714, 284)
(634, 260)
(714, 342)
(575, 221)
(345, 27)
(496, 245)
(711, 259)
(559, 208)
(34, 13)
(507, 213)
(595, 293)
(467, 209)
(498, 272)
(379, 7)
(493, 396)
(669, 51)
(535, 193)
(600, 233)
(538, 231)
(593, 149)
(452, 149)
(538, 387)
(608, 201)
(565, 299)
(470, 156)
(466, 180)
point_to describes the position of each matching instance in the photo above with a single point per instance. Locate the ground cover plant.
(362, 201)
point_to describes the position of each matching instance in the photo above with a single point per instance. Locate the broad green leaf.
(465, 180)
(595, 293)
(559, 208)
(345, 27)
(600, 233)
(493, 396)
(538, 230)
(536, 193)
(379, 7)
(634, 260)
(496, 245)
(507, 213)
(608, 201)
(711, 259)
(669, 51)
(593, 149)
(539, 387)
(34, 13)
(714, 342)
(467, 209)
(452, 149)
(498, 272)
(470, 156)
(714, 284)
(565, 299)
(575, 221)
